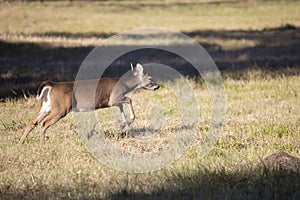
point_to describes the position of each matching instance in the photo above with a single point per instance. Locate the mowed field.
(255, 44)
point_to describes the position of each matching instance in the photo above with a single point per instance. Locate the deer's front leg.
(125, 121)
(123, 117)
(132, 115)
(128, 101)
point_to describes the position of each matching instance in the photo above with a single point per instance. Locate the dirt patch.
(282, 161)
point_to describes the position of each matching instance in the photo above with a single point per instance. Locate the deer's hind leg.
(33, 123)
(51, 119)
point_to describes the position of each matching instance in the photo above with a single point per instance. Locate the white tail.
(45, 92)
(56, 98)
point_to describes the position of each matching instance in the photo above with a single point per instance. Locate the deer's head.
(144, 79)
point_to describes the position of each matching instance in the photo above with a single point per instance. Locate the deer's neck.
(131, 83)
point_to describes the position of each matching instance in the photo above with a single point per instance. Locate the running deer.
(57, 99)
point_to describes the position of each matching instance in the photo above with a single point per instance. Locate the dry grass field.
(255, 44)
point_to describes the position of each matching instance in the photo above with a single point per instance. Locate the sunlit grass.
(262, 118)
(97, 20)
(262, 108)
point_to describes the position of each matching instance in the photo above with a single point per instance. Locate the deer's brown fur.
(57, 99)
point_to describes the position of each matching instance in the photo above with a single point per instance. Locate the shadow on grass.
(246, 183)
(25, 65)
(224, 185)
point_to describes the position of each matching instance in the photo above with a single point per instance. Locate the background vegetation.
(255, 45)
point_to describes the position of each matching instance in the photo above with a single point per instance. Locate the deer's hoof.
(129, 121)
(123, 126)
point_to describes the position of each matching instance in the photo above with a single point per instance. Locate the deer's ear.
(139, 69)
(133, 72)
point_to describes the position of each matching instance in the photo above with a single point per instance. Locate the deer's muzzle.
(152, 86)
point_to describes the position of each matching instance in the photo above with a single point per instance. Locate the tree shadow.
(268, 49)
(224, 185)
(245, 183)
(24, 65)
